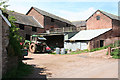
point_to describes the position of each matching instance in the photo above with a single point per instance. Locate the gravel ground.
(86, 65)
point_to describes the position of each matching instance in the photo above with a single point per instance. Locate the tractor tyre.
(33, 48)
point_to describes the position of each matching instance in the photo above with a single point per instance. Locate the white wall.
(75, 45)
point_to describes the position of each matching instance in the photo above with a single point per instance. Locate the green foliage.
(15, 38)
(3, 2)
(19, 72)
(116, 53)
(107, 53)
(52, 53)
(3, 5)
(104, 47)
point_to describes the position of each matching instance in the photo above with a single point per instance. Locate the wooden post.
(109, 51)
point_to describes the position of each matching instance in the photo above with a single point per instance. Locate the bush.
(107, 53)
(116, 54)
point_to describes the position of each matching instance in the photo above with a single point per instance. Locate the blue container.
(57, 50)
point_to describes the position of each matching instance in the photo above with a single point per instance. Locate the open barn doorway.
(101, 43)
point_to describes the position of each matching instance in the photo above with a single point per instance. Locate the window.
(21, 26)
(98, 17)
(34, 29)
(52, 20)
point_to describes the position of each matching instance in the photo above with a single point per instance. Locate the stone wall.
(5, 42)
(7, 62)
(0, 47)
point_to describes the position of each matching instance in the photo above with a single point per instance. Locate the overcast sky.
(72, 10)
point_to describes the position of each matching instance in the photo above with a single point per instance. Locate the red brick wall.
(28, 30)
(56, 23)
(107, 37)
(37, 16)
(104, 22)
(93, 42)
(116, 28)
(46, 21)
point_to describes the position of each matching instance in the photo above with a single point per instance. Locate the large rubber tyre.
(33, 48)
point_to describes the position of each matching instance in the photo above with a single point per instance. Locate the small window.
(34, 29)
(52, 20)
(98, 17)
(21, 26)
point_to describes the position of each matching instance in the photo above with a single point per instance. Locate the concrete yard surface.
(71, 66)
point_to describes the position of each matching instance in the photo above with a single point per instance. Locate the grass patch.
(19, 72)
(78, 52)
(107, 53)
(51, 53)
(104, 47)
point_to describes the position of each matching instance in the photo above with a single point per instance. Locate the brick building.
(28, 25)
(51, 23)
(102, 29)
(37, 21)
(80, 25)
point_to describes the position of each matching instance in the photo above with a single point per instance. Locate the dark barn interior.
(54, 41)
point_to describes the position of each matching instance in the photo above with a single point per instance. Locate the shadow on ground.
(37, 74)
(40, 53)
(27, 59)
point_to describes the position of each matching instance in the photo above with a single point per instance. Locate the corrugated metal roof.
(89, 34)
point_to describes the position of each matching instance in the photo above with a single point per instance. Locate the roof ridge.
(52, 14)
(79, 20)
(108, 13)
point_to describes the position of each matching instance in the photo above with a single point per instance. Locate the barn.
(83, 39)
(102, 29)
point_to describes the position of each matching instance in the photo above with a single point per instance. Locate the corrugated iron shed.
(89, 34)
